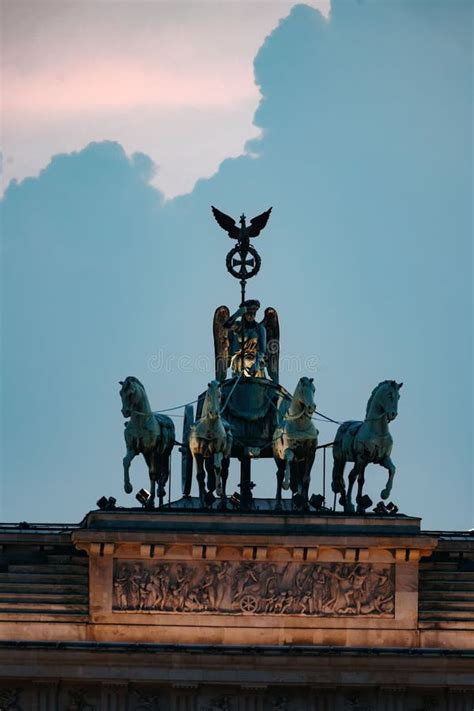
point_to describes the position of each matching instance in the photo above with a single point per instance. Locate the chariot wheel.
(243, 263)
(186, 456)
(248, 603)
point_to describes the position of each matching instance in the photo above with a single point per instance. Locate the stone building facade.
(188, 610)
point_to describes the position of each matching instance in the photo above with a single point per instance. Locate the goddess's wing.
(272, 327)
(221, 342)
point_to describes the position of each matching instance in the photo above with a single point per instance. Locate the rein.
(138, 412)
(379, 417)
(304, 411)
(231, 392)
(209, 416)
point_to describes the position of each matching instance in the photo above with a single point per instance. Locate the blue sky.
(363, 145)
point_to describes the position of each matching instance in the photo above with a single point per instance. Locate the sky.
(124, 122)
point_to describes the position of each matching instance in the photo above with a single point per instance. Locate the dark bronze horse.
(295, 442)
(147, 433)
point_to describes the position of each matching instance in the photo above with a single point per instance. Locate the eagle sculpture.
(244, 232)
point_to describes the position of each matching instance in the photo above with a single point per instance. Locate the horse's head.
(385, 396)
(212, 403)
(304, 395)
(130, 394)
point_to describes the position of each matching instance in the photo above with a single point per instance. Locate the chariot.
(254, 408)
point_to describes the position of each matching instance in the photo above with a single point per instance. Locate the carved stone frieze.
(430, 703)
(252, 587)
(355, 703)
(78, 701)
(220, 703)
(146, 701)
(10, 700)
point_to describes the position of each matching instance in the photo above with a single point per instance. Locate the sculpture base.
(187, 575)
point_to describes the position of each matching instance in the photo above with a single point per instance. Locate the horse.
(147, 433)
(365, 443)
(294, 444)
(210, 442)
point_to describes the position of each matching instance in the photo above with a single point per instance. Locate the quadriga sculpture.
(210, 442)
(365, 443)
(147, 433)
(295, 442)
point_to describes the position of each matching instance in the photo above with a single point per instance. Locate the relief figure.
(314, 589)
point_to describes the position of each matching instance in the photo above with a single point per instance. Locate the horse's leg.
(308, 465)
(218, 456)
(162, 476)
(155, 485)
(164, 473)
(127, 460)
(288, 459)
(200, 476)
(337, 484)
(150, 504)
(294, 466)
(349, 506)
(280, 474)
(360, 486)
(224, 476)
(296, 481)
(211, 473)
(387, 463)
(150, 458)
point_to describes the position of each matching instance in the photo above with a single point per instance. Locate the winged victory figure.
(261, 347)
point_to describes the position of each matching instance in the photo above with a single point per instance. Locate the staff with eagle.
(240, 342)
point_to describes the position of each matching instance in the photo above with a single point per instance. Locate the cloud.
(154, 76)
(117, 84)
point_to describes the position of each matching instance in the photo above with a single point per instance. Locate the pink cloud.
(171, 79)
(116, 84)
